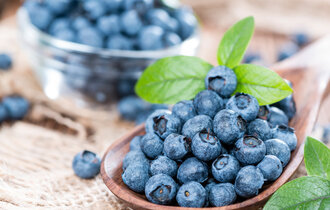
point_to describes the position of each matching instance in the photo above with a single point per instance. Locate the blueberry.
(187, 22)
(130, 22)
(288, 106)
(195, 125)
(205, 145)
(249, 150)
(208, 102)
(90, 36)
(3, 113)
(86, 164)
(119, 42)
(260, 129)
(159, 17)
(286, 134)
(300, 39)
(176, 146)
(59, 7)
(248, 181)
(65, 34)
(251, 57)
(162, 123)
(225, 168)
(151, 145)
(136, 176)
(163, 165)
(263, 112)
(221, 80)
(136, 157)
(287, 50)
(59, 24)
(135, 144)
(80, 22)
(150, 38)
(161, 189)
(184, 110)
(113, 5)
(5, 61)
(40, 16)
(222, 194)
(277, 117)
(279, 149)
(326, 134)
(94, 9)
(172, 39)
(246, 105)
(229, 126)
(191, 194)
(108, 24)
(271, 167)
(192, 169)
(130, 106)
(140, 6)
(16, 106)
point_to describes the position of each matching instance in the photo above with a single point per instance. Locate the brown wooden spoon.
(308, 71)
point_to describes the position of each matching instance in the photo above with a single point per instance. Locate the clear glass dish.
(92, 77)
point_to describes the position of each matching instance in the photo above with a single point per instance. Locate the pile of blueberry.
(13, 108)
(213, 150)
(133, 108)
(113, 24)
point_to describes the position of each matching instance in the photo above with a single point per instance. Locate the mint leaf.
(264, 84)
(173, 79)
(303, 193)
(234, 43)
(317, 158)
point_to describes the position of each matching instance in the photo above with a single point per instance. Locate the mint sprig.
(177, 78)
(309, 192)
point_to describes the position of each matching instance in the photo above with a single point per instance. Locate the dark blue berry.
(136, 176)
(80, 22)
(195, 125)
(205, 145)
(119, 42)
(113, 5)
(135, 157)
(65, 34)
(251, 57)
(161, 189)
(288, 106)
(130, 22)
(17, 107)
(245, 105)
(90, 36)
(40, 16)
(108, 24)
(151, 145)
(86, 164)
(187, 22)
(248, 181)
(222, 80)
(286, 134)
(94, 9)
(141, 6)
(162, 123)
(222, 194)
(229, 126)
(129, 107)
(172, 39)
(277, 117)
(249, 150)
(225, 168)
(3, 113)
(59, 7)
(279, 149)
(260, 129)
(191, 194)
(192, 169)
(208, 102)
(300, 39)
(135, 144)
(150, 38)
(5, 61)
(58, 25)
(271, 167)
(163, 165)
(184, 110)
(263, 112)
(176, 146)
(287, 50)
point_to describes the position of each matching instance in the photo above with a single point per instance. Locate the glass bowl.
(89, 76)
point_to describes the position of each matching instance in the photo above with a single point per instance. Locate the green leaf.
(303, 193)
(234, 43)
(317, 158)
(173, 79)
(264, 84)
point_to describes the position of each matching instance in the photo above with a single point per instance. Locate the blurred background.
(44, 143)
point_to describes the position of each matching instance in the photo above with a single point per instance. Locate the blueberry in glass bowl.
(89, 51)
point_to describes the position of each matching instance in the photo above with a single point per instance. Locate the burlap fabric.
(36, 154)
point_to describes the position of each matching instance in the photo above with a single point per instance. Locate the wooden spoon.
(308, 71)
